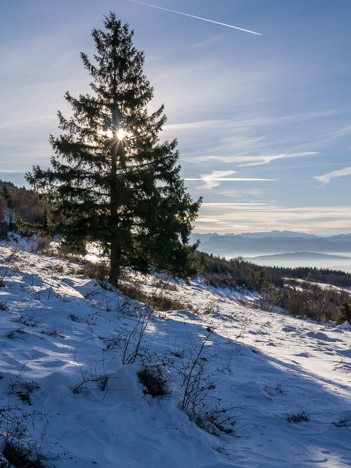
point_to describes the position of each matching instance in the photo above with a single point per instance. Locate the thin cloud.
(259, 160)
(197, 17)
(326, 138)
(238, 205)
(216, 177)
(326, 178)
(199, 124)
(10, 171)
(250, 123)
(206, 43)
(255, 218)
(268, 159)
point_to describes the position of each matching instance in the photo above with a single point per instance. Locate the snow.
(62, 341)
(346, 325)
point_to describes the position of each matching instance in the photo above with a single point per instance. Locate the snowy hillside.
(262, 389)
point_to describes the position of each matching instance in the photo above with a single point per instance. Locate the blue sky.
(263, 122)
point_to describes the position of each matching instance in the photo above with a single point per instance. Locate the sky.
(262, 113)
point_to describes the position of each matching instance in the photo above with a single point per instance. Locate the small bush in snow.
(43, 245)
(270, 296)
(154, 380)
(215, 419)
(312, 301)
(23, 390)
(301, 416)
(98, 271)
(17, 448)
(101, 382)
(20, 456)
(206, 412)
(132, 343)
(158, 300)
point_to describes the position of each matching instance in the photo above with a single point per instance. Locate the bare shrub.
(19, 450)
(197, 382)
(132, 342)
(216, 419)
(269, 297)
(98, 271)
(13, 256)
(134, 291)
(20, 456)
(152, 376)
(166, 285)
(312, 301)
(158, 300)
(242, 302)
(2, 281)
(194, 381)
(43, 245)
(28, 321)
(100, 380)
(301, 416)
(23, 390)
(67, 252)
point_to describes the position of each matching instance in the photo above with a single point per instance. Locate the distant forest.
(20, 203)
(222, 272)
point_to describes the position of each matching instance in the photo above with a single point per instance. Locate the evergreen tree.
(6, 194)
(112, 180)
(344, 312)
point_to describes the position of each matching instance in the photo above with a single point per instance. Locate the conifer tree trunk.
(115, 263)
(115, 253)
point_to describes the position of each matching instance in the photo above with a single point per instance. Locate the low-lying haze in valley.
(281, 248)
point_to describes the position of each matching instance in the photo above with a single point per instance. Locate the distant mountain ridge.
(306, 259)
(271, 243)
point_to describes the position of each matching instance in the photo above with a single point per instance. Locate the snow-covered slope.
(284, 382)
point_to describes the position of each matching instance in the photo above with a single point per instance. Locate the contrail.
(196, 17)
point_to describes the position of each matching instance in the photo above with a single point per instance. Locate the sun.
(121, 134)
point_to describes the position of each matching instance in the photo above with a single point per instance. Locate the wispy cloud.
(325, 138)
(10, 171)
(196, 17)
(326, 178)
(263, 120)
(228, 218)
(225, 205)
(198, 124)
(247, 161)
(206, 43)
(212, 180)
(266, 159)
(216, 177)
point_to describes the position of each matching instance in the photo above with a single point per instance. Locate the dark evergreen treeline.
(321, 275)
(294, 289)
(18, 205)
(237, 272)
